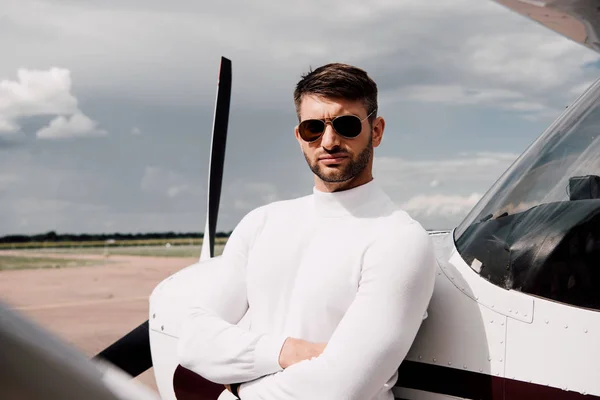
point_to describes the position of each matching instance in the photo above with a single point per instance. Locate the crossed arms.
(363, 353)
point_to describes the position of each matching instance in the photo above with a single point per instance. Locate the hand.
(296, 350)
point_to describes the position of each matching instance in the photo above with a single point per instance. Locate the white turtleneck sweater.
(347, 268)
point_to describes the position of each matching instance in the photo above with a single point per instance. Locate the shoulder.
(258, 216)
(251, 225)
(280, 208)
(400, 239)
(399, 224)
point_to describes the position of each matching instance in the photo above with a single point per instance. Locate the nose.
(330, 138)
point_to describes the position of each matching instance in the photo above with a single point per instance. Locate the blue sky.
(106, 107)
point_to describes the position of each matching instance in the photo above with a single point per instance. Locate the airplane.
(515, 310)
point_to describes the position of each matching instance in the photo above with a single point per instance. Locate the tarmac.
(89, 307)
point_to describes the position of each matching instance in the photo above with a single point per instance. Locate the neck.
(360, 201)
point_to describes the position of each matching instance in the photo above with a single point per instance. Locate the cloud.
(440, 192)
(136, 131)
(439, 205)
(7, 126)
(465, 168)
(490, 48)
(43, 93)
(438, 64)
(77, 125)
(248, 195)
(165, 182)
(7, 180)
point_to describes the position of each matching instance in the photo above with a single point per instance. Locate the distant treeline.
(66, 237)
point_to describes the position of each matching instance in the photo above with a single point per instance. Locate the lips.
(333, 158)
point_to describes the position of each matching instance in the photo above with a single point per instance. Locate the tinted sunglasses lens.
(348, 125)
(311, 129)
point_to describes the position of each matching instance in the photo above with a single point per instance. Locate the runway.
(89, 307)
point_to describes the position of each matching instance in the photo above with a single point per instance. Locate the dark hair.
(337, 81)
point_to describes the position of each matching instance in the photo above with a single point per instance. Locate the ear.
(297, 134)
(378, 128)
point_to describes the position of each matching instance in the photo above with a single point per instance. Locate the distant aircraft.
(515, 311)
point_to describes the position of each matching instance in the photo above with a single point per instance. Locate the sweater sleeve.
(375, 334)
(211, 343)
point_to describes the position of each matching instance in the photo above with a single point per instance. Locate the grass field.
(102, 244)
(9, 262)
(34, 258)
(149, 251)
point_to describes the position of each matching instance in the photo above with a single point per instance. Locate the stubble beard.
(352, 169)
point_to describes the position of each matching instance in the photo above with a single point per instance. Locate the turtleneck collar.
(358, 201)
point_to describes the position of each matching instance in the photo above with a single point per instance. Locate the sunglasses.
(348, 126)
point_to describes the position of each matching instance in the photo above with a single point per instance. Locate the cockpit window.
(538, 228)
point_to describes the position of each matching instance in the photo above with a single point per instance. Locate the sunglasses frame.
(329, 121)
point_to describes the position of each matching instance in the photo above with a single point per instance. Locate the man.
(337, 282)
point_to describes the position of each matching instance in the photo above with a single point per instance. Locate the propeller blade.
(131, 353)
(217, 157)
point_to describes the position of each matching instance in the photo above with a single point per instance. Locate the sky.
(106, 107)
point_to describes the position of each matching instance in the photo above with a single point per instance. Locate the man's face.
(333, 158)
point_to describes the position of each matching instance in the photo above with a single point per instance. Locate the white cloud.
(136, 131)
(164, 181)
(439, 192)
(469, 44)
(175, 191)
(466, 53)
(77, 125)
(465, 168)
(43, 93)
(248, 195)
(7, 126)
(440, 205)
(532, 58)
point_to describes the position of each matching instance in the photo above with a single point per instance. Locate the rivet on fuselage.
(153, 316)
(434, 360)
(449, 362)
(162, 328)
(547, 321)
(585, 331)
(566, 326)
(492, 321)
(464, 367)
